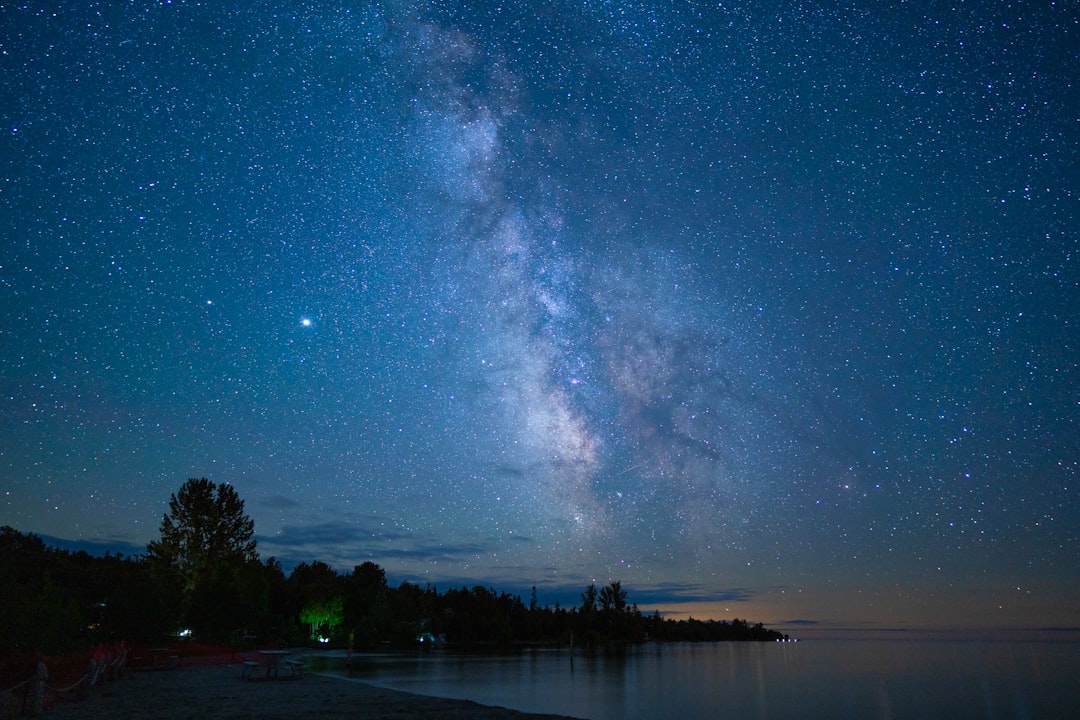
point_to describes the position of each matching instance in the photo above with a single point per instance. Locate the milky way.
(767, 309)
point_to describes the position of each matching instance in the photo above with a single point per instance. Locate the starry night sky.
(767, 311)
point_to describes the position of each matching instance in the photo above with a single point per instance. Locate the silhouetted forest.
(56, 601)
(204, 579)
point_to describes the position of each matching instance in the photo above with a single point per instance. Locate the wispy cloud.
(345, 543)
(278, 502)
(332, 533)
(690, 592)
(114, 546)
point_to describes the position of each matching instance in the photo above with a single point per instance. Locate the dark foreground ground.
(218, 691)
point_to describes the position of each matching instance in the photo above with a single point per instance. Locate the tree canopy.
(55, 600)
(207, 545)
(205, 527)
(207, 557)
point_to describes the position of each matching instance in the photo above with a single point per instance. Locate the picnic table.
(273, 659)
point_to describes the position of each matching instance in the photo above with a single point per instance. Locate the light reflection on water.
(831, 679)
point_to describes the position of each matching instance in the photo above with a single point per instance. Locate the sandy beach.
(218, 691)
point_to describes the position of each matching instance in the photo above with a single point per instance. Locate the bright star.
(306, 322)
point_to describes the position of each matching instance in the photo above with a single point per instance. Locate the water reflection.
(820, 679)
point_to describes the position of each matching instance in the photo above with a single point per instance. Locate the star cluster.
(769, 303)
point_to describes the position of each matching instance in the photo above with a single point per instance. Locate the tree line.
(204, 577)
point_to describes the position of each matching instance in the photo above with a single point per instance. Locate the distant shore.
(218, 691)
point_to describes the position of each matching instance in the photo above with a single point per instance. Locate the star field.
(767, 311)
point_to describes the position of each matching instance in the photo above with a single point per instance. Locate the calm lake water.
(830, 679)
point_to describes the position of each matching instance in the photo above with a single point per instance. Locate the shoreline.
(219, 691)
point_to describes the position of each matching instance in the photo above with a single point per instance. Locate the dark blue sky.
(765, 310)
